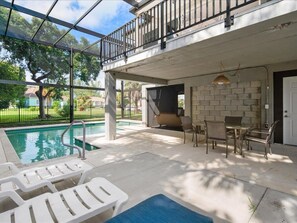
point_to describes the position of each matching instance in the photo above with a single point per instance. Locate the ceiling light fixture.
(221, 80)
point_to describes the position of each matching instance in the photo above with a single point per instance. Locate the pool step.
(89, 147)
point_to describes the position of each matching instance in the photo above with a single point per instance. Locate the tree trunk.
(41, 102)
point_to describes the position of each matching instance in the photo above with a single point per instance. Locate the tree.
(86, 67)
(134, 89)
(47, 64)
(11, 93)
(43, 64)
(84, 102)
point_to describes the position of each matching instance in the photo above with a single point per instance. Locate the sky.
(105, 18)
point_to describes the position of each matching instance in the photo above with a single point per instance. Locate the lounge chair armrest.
(13, 196)
(11, 166)
(28, 187)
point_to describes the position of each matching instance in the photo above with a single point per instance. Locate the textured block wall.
(237, 99)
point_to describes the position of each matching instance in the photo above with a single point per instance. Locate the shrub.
(64, 111)
(33, 108)
(56, 105)
(4, 104)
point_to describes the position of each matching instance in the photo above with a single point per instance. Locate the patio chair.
(187, 126)
(233, 121)
(255, 135)
(216, 131)
(159, 209)
(37, 177)
(75, 204)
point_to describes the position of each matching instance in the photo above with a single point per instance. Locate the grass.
(252, 206)
(14, 117)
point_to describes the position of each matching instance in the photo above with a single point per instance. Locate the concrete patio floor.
(144, 161)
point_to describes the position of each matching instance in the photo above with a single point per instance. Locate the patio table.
(198, 130)
(239, 131)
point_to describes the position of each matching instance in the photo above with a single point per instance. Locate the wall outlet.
(266, 106)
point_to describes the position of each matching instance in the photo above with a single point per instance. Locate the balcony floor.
(144, 162)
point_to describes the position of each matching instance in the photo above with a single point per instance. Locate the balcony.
(249, 41)
(185, 40)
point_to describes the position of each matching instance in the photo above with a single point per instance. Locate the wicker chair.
(187, 126)
(255, 135)
(216, 131)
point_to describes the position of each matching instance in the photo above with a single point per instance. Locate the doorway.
(287, 126)
(163, 100)
(290, 110)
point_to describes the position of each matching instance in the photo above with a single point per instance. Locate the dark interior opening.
(163, 99)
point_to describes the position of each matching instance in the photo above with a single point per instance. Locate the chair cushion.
(168, 119)
(159, 209)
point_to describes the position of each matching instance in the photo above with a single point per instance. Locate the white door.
(290, 110)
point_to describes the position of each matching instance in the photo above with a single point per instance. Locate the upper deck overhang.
(263, 35)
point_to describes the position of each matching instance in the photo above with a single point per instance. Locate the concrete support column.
(110, 106)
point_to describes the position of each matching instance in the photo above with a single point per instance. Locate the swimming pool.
(33, 145)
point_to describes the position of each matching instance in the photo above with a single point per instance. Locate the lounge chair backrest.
(37, 177)
(75, 204)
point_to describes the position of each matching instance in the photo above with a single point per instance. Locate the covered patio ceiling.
(262, 43)
(41, 16)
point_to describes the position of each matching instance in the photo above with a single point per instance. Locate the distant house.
(64, 101)
(97, 101)
(32, 100)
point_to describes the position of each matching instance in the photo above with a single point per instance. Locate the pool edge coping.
(8, 150)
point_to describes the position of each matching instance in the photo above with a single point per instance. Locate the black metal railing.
(163, 22)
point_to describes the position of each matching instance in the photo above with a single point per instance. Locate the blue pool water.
(33, 145)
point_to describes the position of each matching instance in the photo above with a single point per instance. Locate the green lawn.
(25, 116)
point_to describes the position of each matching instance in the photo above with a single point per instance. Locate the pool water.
(33, 145)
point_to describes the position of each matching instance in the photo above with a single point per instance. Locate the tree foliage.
(47, 64)
(10, 94)
(84, 102)
(134, 89)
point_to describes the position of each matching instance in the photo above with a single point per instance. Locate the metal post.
(229, 20)
(47, 109)
(163, 43)
(101, 54)
(130, 107)
(71, 86)
(125, 44)
(122, 99)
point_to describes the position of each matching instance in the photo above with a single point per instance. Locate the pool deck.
(144, 161)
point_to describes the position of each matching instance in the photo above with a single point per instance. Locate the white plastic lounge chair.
(37, 177)
(75, 204)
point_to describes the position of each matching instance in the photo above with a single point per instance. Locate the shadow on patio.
(144, 162)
